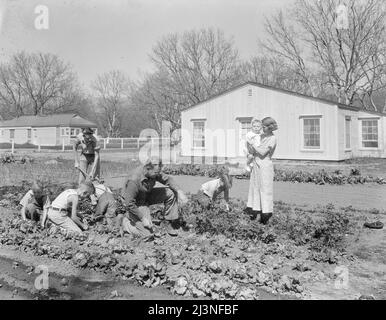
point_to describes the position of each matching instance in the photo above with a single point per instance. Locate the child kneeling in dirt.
(58, 212)
(106, 205)
(34, 202)
(212, 189)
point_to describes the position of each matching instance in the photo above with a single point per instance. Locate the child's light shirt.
(61, 202)
(100, 189)
(251, 138)
(29, 197)
(210, 187)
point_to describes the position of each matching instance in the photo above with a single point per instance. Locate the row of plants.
(322, 231)
(320, 177)
(226, 256)
(324, 227)
(8, 157)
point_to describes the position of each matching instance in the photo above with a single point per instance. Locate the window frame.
(204, 134)
(242, 120)
(304, 148)
(347, 120)
(362, 147)
(65, 131)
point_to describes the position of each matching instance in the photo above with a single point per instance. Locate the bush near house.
(320, 177)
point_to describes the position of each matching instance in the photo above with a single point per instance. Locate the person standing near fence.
(89, 159)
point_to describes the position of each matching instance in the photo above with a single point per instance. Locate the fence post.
(104, 143)
(13, 146)
(121, 143)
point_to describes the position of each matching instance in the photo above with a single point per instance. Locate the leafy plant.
(320, 177)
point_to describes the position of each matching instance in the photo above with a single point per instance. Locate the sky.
(96, 36)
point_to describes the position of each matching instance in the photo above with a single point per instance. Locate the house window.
(12, 133)
(347, 133)
(65, 131)
(198, 134)
(370, 133)
(74, 132)
(311, 133)
(245, 126)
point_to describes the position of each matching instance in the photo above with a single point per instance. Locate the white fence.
(134, 144)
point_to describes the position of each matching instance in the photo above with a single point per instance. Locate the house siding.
(221, 113)
(20, 136)
(46, 136)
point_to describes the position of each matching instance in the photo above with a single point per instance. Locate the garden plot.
(222, 256)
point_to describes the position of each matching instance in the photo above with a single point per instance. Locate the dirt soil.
(365, 264)
(66, 282)
(70, 281)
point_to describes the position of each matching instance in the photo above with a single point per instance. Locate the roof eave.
(340, 105)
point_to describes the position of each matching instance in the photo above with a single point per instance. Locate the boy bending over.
(63, 211)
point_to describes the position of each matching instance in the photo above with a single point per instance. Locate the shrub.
(320, 177)
(320, 230)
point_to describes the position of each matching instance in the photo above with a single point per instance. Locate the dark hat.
(87, 130)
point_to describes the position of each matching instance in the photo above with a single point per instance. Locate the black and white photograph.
(192, 153)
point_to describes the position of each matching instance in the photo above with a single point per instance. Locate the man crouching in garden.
(139, 193)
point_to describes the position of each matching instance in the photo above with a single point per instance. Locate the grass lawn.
(61, 171)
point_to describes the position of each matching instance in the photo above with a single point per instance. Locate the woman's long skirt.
(260, 196)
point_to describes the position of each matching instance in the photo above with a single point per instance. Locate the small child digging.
(34, 202)
(210, 190)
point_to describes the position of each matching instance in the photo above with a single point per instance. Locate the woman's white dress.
(260, 196)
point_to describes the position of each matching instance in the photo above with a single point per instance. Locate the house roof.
(54, 120)
(256, 84)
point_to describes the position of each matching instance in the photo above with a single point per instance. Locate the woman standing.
(260, 197)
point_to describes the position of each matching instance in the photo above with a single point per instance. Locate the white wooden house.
(309, 128)
(50, 130)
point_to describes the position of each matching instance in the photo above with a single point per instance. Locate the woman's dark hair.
(270, 123)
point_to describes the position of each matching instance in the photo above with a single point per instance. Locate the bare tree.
(190, 67)
(112, 91)
(274, 71)
(199, 63)
(38, 83)
(349, 59)
(13, 101)
(158, 98)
